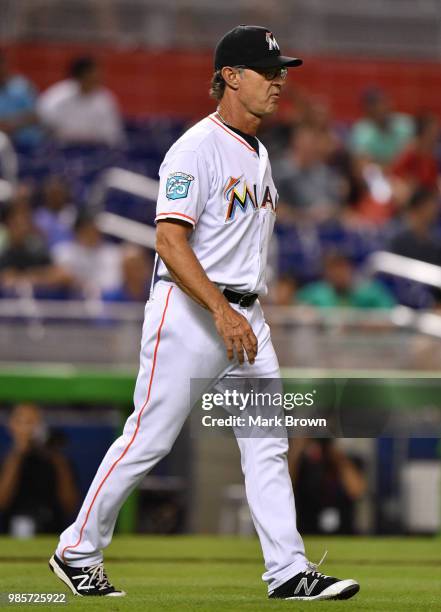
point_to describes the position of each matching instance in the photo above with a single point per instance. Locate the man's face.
(55, 194)
(379, 108)
(429, 211)
(305, 146)
(91, 80)
(89, 235)
(338, 272)
(259, 90)
(25, 421)
(19, 226)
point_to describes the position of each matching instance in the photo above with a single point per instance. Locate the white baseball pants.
(180, 342)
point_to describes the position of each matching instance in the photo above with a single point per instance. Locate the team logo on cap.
(178, 184)
(272, 42)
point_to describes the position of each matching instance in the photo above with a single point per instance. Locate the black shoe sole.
(348, 592)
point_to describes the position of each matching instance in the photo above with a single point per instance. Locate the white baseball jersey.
(213, 179)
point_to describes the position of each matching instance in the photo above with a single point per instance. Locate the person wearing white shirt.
(96, 265)
(79, 109)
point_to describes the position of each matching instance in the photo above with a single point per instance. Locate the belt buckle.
(245, 297)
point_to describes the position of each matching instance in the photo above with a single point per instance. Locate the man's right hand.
(236, 333)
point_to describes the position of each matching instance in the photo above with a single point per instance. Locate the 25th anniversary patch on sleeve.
(178, 184)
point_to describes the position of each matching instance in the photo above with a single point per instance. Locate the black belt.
(243, 299)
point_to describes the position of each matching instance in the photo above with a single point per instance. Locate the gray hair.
(217, 86)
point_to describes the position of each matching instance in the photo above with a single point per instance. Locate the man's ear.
(231, 76)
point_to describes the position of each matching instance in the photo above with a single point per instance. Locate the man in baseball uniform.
(215, 215)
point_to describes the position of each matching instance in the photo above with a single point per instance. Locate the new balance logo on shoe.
(83, 580)
(307, 589)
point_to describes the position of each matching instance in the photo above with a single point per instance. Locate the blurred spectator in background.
(94, 263)
(80, 110)
(26, 266)
(37, 487)
(417, 165)
(339, 288)
(305, 183)
(283, 292)
(370, 193)
(316, 114)
(136, 271)
(418, 238)
(327, 484)
(55, 214)
(381, 134)
(299, 107)
(17, 107)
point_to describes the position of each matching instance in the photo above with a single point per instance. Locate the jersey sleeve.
(184, 185)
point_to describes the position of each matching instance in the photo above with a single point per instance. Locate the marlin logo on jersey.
(272, 42)
(237, 199)
(245, 197)
(178, 184)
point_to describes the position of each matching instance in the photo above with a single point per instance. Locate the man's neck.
(238, 118)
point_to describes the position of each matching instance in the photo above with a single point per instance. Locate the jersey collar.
(226, 129)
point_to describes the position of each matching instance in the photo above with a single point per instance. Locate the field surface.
(206, 574)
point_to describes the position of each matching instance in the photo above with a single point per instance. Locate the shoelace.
(98, 575)
(313, 567)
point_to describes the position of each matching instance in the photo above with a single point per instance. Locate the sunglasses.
(269, 73)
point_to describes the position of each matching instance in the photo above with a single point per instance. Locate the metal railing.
(103, 333)
(132, 183)
(405, 267)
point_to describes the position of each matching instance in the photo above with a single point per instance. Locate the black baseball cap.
(252, 46)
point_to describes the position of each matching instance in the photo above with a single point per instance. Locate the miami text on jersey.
(242, 198)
